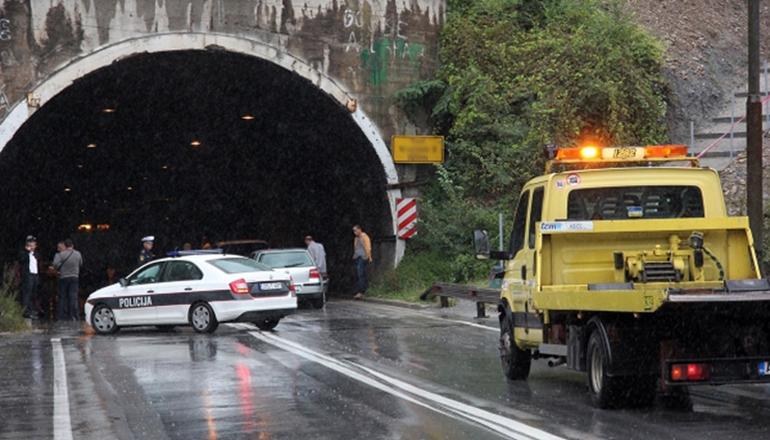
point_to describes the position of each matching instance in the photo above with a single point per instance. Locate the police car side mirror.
(123, 282)
(481, 244)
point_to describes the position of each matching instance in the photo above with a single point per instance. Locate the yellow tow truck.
(625, 265)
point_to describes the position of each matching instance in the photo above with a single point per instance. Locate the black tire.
(318, 303)
(267, 324)
(202, 318)
(606, 392)
(103, 320)
(515, 361)
(165, 328)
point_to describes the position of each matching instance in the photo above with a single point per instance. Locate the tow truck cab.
(634, 274)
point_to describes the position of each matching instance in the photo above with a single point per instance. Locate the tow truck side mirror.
(123, 282)
(481, 244)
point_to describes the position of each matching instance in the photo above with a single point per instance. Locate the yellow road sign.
(417, 149)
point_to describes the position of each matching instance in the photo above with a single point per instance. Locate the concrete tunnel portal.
(186, 144)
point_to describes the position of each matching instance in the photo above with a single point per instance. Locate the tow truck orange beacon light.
(580, 153)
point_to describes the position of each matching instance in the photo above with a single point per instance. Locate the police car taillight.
(239, 287)
(314, 273)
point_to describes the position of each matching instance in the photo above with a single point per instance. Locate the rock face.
(734, 182)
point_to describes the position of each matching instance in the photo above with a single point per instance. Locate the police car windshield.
(635, 202)
(286, 259)
(237, 265)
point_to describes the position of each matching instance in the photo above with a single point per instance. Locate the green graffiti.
(383, 53)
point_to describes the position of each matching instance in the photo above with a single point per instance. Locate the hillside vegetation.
(516, 75)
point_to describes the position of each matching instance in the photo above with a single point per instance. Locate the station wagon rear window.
(635, 202)
(238, 265)
(286, 259)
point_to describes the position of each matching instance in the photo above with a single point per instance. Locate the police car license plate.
(271, 286)
(764, 368)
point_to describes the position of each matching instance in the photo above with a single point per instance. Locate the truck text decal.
(551, 227)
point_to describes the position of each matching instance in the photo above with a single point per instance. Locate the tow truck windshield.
(635, 202)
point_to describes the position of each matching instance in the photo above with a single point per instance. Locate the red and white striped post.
(406, 210)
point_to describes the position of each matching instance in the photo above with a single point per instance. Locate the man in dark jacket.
(30, 278)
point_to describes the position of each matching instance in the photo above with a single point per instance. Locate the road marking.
(62, 425)
(472, 324)
(418, 396)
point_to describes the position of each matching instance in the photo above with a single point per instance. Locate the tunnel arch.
(105, 56)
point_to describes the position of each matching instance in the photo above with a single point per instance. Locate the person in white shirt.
(30, 278)
(318, 253)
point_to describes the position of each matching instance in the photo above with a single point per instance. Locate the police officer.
(146, 255)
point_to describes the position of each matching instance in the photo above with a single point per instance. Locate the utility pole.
(754, 133)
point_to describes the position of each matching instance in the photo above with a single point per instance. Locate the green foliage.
(11, 318)
(516, 75)
(419, 270)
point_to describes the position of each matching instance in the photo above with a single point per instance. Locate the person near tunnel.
(318, 253)
(146, 254)
(362, 257)
(30, 278)
(68, 263)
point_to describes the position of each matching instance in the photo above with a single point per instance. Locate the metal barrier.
(479, 295)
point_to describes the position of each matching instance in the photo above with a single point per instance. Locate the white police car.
(201, 290)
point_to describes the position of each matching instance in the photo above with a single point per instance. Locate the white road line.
(62, 425)
(440, 404)
(472, 324)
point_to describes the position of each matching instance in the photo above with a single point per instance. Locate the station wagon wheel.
(103, 320)
(202, 318)
(266, 324)
(515, 361)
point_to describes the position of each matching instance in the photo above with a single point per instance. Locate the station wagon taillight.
(239, 287)
(314, 273)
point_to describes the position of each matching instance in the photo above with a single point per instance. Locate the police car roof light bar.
(178, 253)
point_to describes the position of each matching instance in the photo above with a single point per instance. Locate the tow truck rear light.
(665, 151)
(690, 372)
(314, 273)
(239, 287)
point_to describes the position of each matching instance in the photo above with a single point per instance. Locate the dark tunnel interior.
(188, 144)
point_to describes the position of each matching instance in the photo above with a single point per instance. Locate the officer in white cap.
(146, 255)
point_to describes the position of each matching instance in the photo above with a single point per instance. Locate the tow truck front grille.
(660, 271)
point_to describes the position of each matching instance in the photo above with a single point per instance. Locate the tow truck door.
(521, 276)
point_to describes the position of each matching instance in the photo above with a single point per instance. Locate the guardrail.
(479, 295)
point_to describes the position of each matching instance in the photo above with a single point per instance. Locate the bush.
(516, 75)
(11, 311)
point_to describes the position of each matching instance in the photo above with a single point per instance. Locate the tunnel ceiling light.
(91, 146)
(80, 165)
(67, 189)
(109, 110)
(195, 143)
(164, 167)
(248, 117)
(130, 188)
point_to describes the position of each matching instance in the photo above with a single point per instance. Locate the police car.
(201, 290)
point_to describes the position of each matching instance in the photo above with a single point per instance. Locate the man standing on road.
(68, 264)
(362, 256)
(147, 244)
(318, 253)
(30, 278)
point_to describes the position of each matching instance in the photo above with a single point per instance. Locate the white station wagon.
(201, 290)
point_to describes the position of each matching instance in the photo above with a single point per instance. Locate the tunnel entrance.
(185, 145)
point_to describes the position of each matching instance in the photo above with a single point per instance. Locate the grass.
(415, 274)
(11, 311)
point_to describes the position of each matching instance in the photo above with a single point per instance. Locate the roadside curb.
(397, 303)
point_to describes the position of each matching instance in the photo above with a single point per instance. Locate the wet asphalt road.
(352, 371)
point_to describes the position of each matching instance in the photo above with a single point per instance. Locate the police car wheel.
(267, 324)
(103, 320)
(202, 318)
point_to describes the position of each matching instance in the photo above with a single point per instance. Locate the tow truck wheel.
(606, 391)
(202, 318)
(515, 361)
(103, 320)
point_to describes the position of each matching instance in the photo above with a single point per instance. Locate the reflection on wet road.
(351, 371)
